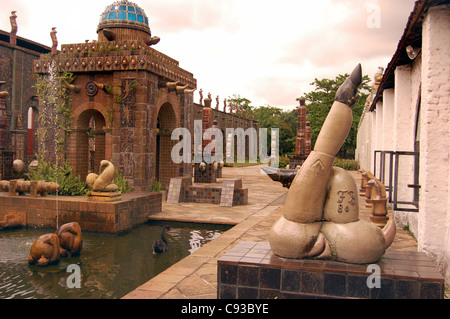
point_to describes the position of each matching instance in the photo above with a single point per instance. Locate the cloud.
(191, 15)
(352, 38)
(266, 51)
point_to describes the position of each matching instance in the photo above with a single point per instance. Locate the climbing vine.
(55, 116)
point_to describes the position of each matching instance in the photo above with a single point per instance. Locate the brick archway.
(89, 150)
(166, 123)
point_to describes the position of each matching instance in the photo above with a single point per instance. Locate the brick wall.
(16, 70)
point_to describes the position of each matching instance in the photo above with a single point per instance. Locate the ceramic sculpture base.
(250, 270)
(104, 196)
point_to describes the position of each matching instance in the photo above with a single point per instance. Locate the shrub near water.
(63, 175)
(122, 183)
(70, 185)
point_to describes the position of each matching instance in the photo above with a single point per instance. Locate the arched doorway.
(90, 141)
(165, 124)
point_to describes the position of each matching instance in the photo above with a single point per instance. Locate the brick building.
(126, 99)
(17, 78)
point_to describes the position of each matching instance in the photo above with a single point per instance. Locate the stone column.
(434, 216)
(403, 123)
(388, 119)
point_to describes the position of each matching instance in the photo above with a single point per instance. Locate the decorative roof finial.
(54, 40)
(12, 19)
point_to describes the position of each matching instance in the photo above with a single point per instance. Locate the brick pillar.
(204, 172)
(303, 140)
(3, 120)
(301, 129)
(308, 138)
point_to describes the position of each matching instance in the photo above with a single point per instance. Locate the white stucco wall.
(435, 137)
(403, 141)
(429, 72)
(388, 120)
(364, 141)
(405, 104)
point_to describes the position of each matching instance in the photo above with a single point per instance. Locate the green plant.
(63, 175)
(110, 115)
(122, 183)
(53, 93)
(283, 161)
(157, 186)
(351, 165)
(406, 228)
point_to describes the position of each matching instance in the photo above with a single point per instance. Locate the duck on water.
(161, 246)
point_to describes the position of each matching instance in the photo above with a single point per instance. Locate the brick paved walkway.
(195, 277)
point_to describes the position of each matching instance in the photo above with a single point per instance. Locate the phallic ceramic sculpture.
(11, 221)
(378, 201)
(45, 250)
(32, 187)
(321, 215)
(104, 181)
(70, 239)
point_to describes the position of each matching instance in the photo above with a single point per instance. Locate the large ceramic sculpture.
(70, 239)
(321, 215)
(45, 250)
(104, 181)
(11, 221)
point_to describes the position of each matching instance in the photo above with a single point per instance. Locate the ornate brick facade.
(134, 95)
(17, 78)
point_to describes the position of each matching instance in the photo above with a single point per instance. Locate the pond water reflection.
(111, 266)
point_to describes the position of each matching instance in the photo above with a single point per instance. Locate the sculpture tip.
(348, 90)
(356, 76)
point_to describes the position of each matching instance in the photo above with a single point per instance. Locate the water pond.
(111, 266)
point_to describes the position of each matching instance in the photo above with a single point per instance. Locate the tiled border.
(250, 270)
(96, 217)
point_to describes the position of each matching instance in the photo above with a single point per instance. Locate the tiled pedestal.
(230, 194)
(250, 270)
(207, 176)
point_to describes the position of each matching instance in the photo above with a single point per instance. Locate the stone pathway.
(195, 277)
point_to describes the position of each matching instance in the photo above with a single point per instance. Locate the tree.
(320, 102)
(286, 121)
(288, 131)
(241, 103)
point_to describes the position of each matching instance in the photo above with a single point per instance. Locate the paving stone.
(196, 275)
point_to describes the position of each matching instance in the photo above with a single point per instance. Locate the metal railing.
(381, 172)
(387, 169)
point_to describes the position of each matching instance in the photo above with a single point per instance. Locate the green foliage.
(283, 161)
(110, 115)
(157, 186)
(350, 165)
(288, 131)
(52, 92)
(63, 175)
(238, 102)
(122, 182)
(320, 102)
(286, 121)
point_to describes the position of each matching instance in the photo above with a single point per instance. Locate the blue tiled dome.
(126, 13)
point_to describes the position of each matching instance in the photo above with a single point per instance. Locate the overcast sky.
(266, 51)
